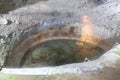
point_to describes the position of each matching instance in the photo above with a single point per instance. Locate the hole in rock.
(60, 52)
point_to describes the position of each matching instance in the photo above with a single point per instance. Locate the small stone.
(86, 59)
(2, 41)
(3, 21)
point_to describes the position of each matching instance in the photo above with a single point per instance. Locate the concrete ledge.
(109, 59)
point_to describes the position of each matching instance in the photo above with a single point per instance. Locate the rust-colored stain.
(87, 32)
(54, 33)
(87, 53)
(87, 39)
(37, 38)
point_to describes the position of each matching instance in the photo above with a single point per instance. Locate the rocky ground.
(28, 20)
(24, 18)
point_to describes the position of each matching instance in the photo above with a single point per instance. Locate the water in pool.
(59, 52)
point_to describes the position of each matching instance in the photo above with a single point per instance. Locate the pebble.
(3, 21)
(2, 41)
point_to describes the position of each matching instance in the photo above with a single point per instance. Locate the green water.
(60, 52)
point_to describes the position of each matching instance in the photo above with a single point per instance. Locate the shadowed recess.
(59, 52)
(8, 5)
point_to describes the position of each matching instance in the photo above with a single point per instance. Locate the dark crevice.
(9, 5)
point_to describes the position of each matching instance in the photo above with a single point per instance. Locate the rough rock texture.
(50, 14)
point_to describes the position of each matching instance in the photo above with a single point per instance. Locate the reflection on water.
(60, 52)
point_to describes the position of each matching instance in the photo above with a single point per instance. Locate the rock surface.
(109, 59)
(30, 20)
